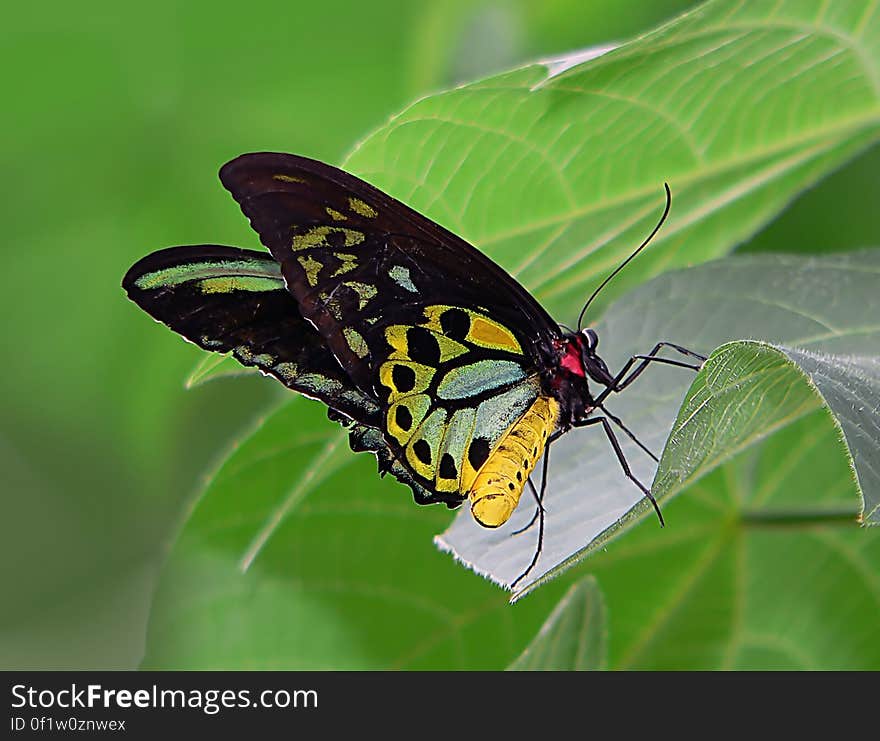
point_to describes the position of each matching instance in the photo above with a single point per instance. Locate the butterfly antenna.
(625, 262)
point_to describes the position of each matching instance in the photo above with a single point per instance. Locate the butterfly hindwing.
(227, 299)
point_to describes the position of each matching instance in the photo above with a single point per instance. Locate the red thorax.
(572, 356)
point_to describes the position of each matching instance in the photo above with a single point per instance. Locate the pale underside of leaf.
(824, 306)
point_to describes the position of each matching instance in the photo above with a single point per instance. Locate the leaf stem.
(795, 518)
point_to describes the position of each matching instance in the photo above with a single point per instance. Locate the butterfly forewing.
(351, 253)
(440, 335)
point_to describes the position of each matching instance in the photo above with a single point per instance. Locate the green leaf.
(574, 637)
(556, 169)
(299, 556)
(729, 584)
(822, 306)
(214, 365)
(747, 390)
(558, 175)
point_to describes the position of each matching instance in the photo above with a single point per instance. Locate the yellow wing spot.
(312, 268)
(404, 378)
(483, 331)
(232, 283)
(404, 417)
(432, 314)
(364, 209)
(396, 336)
(349, 263)
(364, 291)
(487, 333)
(335, 215)
(449, 349)
(287, 178)
(356, 342)
(317, 237)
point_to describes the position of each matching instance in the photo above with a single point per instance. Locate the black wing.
(358, 260)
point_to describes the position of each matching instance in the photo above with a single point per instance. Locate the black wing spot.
(403, 417)
(336, 239)
(519, 475)
(478, 453)
(404, 378)
(422, 346)
(447, 467)
(510, 485)
(456, 323)
(423, 451)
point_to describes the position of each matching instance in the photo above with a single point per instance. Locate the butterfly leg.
(539, 515)
(629, 433)
(612, 438)
(622, 380)
(538, 509)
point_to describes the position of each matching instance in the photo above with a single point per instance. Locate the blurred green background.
(116, 121)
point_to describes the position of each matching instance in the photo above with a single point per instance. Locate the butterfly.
(434, 358)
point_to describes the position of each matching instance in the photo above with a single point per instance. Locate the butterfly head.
(589, 339)
(593, 365)
(579, 357)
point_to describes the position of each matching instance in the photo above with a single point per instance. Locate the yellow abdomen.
(499, 483)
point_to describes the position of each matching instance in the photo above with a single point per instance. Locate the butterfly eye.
(591, 337)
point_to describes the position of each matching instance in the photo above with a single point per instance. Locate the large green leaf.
(556, 169)
(761, 567)
(749, 389)
(349, 559)
(557, 174)
(824, 308)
